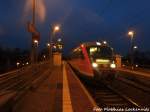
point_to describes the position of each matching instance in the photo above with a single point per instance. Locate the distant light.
(135, 47)
(36, 41)
(75, 50)
(23, 64)
(44, 56)
(105, 42)
(54, 47)
(17, 63)
(27, 63)
(136, 65)
(48, 44)
(60, 46)
(131, 33)
(59, 40)
(56, 28)
(98, 43)
(82, 45)
(123, 65)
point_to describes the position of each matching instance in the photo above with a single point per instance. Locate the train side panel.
(82, 63)
(82, 66)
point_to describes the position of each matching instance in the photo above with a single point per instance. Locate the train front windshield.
(103, 52)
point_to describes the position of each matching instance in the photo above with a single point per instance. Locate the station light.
(17, 64)
(56, 28)
(59, 40)
(44, 56)
(135, 47)
(60, 46)
(136, 65)
(36, 41)
(54, 47)
(105, 42)
(48, 44)
(27, 63)
(131, 33)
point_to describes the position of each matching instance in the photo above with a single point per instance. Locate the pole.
(51, 46)
(33, 49)
(132, 53)
(48, 48)
(33, 13)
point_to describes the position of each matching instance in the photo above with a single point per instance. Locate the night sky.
(81, 21)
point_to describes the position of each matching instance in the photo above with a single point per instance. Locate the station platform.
(62, 91)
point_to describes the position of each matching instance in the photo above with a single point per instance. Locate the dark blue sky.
(81, 21)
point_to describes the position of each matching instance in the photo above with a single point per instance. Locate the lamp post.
(131, 34)
(33, 12)
(35, 34)
(54, 29)
(48, 47)
(35, 45)
(17, 64)
(32, 30)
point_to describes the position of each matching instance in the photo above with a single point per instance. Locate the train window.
(100, 52)
(93, 49)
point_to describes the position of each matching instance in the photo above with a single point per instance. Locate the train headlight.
(113, 65)
(94, 65)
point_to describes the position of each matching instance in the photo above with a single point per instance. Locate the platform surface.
(61, 91)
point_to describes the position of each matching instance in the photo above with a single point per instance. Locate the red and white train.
(94, 60)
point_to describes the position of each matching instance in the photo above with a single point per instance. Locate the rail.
(105, 95)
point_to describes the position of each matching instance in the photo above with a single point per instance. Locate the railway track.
(106, 96)
(134, 82)
(20, 78)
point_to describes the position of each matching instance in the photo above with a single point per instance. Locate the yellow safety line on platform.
(67, 105)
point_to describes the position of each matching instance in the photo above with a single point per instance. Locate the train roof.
(89, 44)
(97, 43)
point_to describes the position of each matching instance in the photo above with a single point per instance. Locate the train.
(94, 60)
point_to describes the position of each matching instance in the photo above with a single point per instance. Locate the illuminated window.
(99, 52)
(59, 46)
(93, 49)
